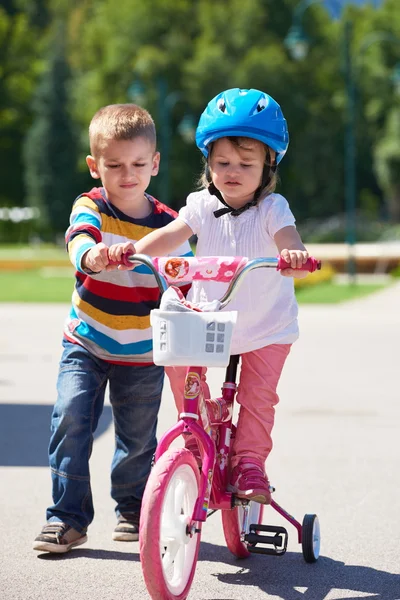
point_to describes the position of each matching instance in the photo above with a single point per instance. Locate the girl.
(243, 137)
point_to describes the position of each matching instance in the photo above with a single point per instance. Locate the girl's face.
(236, 171)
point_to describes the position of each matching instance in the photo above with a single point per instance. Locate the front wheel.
(310, 538)
(168, 552)
(232, 521)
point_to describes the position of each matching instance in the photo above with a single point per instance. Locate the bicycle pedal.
(278, 541)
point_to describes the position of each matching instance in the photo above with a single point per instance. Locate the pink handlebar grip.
(124, 260)
(311, 265)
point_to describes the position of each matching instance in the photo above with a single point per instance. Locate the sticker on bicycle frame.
(208, 491)
(222, 459)
(192, 385)
(228, 434)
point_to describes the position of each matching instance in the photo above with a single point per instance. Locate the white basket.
(197, 339)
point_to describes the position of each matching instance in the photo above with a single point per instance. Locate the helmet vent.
(261, 104)
(221, 105)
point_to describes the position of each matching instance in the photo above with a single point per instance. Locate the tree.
(387, 164)
(51, 143)
(197, 49)
(18, 71)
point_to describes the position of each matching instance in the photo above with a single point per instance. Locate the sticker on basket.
(192, 385)
(216, 268)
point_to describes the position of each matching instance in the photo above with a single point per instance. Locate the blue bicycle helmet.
(247, 113)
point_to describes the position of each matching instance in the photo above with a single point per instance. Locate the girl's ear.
(92, 165)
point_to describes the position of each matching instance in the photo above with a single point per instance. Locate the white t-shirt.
(266, 303)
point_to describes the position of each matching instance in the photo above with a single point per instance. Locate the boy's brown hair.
(120, 122)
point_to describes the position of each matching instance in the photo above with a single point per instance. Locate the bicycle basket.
(196, 339)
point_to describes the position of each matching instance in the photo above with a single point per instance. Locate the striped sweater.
(110, 313)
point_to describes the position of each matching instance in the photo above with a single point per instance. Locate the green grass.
(40, 252)
(333, 293)
(44, 285)
(55, 284)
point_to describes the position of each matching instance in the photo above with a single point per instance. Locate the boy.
(107, 335)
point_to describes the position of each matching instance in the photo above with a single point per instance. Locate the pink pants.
(259, 377)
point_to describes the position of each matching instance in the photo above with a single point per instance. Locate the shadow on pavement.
(290, 578)
(77, 553)
(25, 433)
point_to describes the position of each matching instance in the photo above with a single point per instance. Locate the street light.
(297, 43)
(186, 128)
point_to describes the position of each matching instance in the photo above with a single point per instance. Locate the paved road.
(336, 453)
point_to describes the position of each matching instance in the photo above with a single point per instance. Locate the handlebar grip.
(311, 265)
(124, 260)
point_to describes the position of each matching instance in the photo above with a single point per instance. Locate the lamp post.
(297, 43)
(186, 128)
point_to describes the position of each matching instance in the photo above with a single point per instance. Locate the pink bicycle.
(181, 493)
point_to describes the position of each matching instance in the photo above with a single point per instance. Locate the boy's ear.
(92, 165)
(156, 163)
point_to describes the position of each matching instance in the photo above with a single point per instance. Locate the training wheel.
(311, 538)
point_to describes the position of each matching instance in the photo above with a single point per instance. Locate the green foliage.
(396, 272)
(51, 148)
(182, 53)
(387, 163)
(18, 71)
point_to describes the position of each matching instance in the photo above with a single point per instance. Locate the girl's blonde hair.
(270, 179)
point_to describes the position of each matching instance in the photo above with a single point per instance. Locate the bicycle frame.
(213, 481)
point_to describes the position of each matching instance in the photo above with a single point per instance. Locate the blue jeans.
(135, 394)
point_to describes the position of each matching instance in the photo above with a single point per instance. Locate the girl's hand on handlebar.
(296, 258)
(116, 253)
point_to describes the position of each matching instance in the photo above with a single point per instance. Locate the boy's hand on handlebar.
(116, 253)
(95, 259)
(296, 258)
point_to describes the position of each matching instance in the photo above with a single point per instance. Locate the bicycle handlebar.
(311, 265)
(239, 267)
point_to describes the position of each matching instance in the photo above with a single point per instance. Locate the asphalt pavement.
(336, 453)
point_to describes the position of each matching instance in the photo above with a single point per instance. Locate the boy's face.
(236, 171)
(125, 168)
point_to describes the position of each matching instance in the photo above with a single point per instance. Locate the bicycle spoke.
(180, 560)
(169, 556)
(179, 495)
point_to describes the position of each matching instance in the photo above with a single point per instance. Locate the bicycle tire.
(232, 526)
(168, 558)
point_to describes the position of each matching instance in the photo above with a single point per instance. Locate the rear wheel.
(232, 521)
(168, 552)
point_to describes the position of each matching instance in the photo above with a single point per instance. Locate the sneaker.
(127, 529)
(249, 482)
(58, 537)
